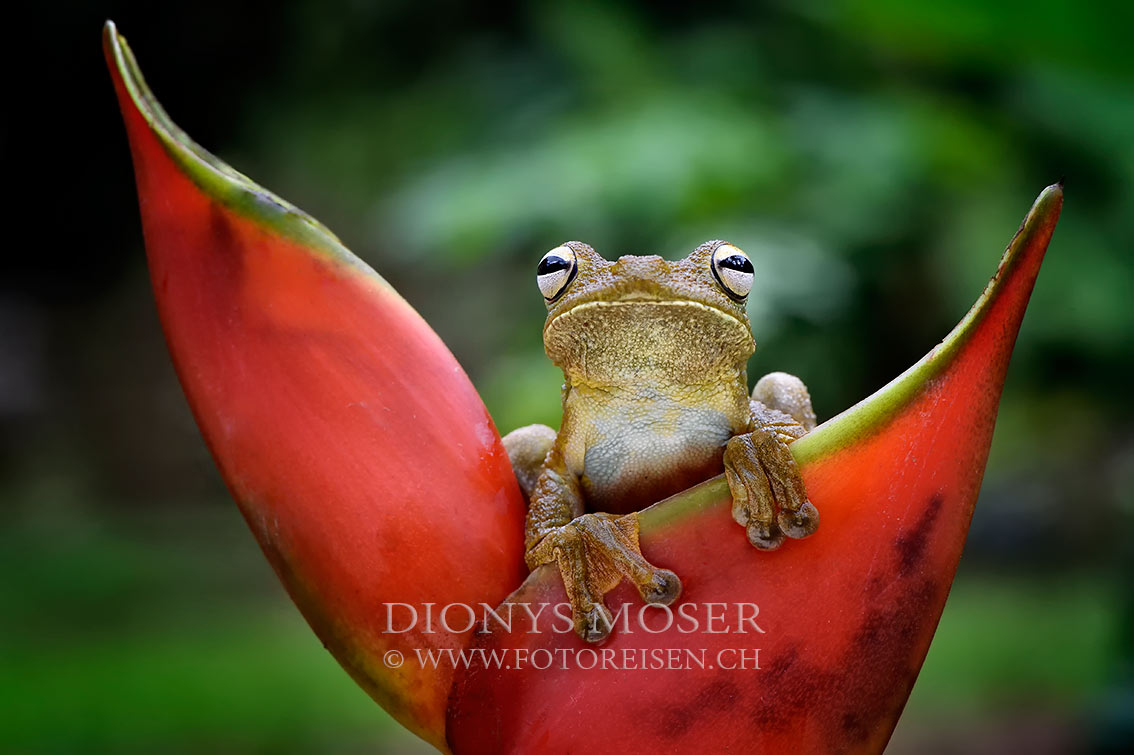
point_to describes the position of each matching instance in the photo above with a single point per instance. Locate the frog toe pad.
(801, 523)
(764, 537)
(663, 588)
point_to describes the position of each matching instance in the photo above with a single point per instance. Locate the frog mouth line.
(642, 299)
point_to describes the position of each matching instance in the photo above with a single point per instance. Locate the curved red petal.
(845, 617)
(358, 451)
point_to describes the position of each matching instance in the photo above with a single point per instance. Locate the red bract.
(360, 454)
(370, 473)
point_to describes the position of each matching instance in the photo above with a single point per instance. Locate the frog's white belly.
(637, 448)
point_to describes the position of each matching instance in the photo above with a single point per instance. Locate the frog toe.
(663, 588)
(765, 537)
(594, 625)
(800, 523)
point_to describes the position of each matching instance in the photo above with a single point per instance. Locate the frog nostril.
(635, 267)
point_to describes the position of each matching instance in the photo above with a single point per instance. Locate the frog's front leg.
(767, 491)
(593, 551)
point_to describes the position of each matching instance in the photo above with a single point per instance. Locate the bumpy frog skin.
(655, 399)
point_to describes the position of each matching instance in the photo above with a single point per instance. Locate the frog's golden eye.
(555, 271)
(733, 270)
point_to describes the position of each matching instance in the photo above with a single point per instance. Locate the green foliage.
(874, 158)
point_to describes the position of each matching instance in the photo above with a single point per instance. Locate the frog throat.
(623, 342)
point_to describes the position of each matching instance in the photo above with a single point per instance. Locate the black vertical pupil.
(737, 262)
(552, 264)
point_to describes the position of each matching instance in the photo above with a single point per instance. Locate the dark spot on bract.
(788, 689)
(225, 245)
(887, 637)
(854, 725)
(911, 543)
(718, 695)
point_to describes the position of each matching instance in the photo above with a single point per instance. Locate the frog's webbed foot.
(768, 497)
(594, 552)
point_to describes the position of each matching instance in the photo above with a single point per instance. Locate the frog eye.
(555, 271)
(733, 270)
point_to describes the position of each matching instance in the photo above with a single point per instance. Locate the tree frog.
(654, 356)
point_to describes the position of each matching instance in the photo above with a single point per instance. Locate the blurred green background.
(874, 158)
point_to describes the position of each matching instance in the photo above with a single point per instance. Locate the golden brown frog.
(655, 399)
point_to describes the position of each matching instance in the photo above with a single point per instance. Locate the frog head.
(642, 318)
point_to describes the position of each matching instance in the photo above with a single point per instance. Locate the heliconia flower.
(372, 476)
